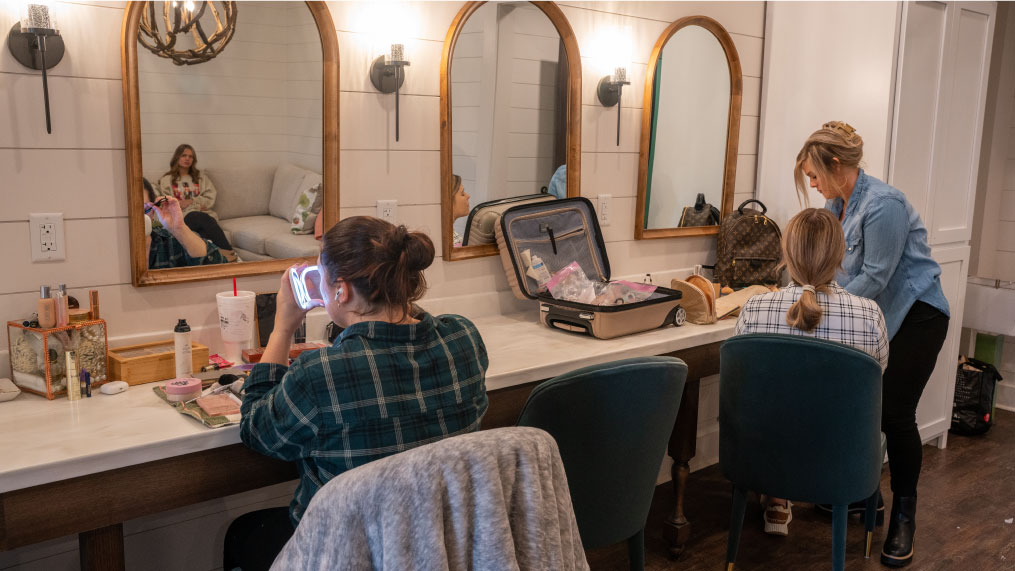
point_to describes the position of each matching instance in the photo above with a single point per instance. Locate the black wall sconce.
(386, 74)
(36, 43)
(610, 87)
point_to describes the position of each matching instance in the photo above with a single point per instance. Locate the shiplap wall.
(79, 170)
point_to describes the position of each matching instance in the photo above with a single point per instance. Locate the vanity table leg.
(682, 448)
(102, 549)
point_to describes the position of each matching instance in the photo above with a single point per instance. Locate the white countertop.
(44, 441)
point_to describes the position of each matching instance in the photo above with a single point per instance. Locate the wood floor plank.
(966, 493)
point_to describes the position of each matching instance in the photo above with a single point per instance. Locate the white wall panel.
(86, 113)
(796, 102)
(79, 183)
(923, 50)
(960, 149)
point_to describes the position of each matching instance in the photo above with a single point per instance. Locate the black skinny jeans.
(912, 356)
(208, 228)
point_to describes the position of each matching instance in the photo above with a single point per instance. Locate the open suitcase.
(566, 230)
(479, 226)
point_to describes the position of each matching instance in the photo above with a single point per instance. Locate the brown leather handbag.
(749, 248)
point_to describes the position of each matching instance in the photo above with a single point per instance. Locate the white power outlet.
(387, 210)
(605, 210)
(46, 237)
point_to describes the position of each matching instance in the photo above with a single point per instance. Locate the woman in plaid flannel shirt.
(813, 305)
(393, 380)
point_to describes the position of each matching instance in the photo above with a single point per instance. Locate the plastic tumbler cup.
(236, 322)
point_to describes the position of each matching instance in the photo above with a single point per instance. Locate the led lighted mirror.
(245, 137)
(690, 130)
(510, 124)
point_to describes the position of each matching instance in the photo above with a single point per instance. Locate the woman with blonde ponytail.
(887, 259)
(813, 305)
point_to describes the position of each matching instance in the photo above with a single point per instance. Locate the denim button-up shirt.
(887, 254)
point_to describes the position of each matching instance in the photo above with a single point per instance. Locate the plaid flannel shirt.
(381, 388)
(167, 252)
(845, 318)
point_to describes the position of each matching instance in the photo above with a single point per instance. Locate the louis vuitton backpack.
(749, 248)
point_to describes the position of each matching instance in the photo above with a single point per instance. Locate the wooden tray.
(150, 362)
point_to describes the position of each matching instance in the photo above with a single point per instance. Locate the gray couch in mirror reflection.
(255, 205)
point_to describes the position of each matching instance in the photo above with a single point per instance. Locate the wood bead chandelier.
(179, 19)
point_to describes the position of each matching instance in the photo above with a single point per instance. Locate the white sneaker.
(777, 518)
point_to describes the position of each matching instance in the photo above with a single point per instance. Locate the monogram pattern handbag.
(749, 248)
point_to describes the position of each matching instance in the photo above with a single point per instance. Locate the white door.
(941, 84)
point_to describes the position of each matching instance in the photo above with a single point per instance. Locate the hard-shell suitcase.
(565, 231)
(479, 226)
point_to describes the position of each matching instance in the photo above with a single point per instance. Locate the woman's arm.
(279, 412)
(171, 217)
(206, 199)
(885, 230)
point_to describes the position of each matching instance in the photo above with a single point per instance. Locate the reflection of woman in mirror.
(394, 379)
(172, 244)
(196, 195)
(459, 206)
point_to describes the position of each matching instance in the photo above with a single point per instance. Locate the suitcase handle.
(764, 209)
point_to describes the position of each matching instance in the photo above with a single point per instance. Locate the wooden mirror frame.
(574, 109)
(732, 129)
(142, 276)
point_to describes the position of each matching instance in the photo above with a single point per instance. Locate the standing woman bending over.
(888, 260)
(390, 382)
(185, 182)
(813, 305)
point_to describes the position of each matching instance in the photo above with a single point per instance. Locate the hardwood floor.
(967, 491)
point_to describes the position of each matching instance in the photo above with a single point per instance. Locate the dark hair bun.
(419, 251)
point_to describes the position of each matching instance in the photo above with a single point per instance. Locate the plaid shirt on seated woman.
(380, 389)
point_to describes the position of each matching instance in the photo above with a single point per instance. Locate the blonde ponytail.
(813, 247)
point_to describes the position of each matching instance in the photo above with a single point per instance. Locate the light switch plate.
(605, 209)
(387, 210)
(46, 237)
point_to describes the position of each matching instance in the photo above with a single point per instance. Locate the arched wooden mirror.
(261, 116)
(510, 117)
(689, 132)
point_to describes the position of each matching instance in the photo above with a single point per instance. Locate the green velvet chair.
(800, 419)
(612, 423)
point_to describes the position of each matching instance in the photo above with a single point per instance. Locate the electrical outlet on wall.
(605, 209)
(387, 210)
(46, 237)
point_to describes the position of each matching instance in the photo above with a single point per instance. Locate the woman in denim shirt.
(888, 260)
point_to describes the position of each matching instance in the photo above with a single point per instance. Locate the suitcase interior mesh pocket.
(558, 238)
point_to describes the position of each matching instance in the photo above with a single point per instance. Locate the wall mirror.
(690, 131)
(510, 117)
(250, 90)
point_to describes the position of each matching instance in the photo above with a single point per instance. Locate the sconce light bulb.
(188, 5)
(397, 52)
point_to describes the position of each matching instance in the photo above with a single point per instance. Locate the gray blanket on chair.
(490, 500)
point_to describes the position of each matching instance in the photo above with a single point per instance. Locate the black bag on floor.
(974, 397)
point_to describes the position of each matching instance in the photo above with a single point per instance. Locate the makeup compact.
(178, 390)
(306, 288)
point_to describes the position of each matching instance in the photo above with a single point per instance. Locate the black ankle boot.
(898, 550)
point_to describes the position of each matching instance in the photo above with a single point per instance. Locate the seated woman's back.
(814, 305)
(391, 381)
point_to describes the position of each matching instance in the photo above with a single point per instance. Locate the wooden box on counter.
(150, 362)
(38, 355)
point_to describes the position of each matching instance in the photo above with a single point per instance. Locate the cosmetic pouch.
(560, 232)
(479, 226)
